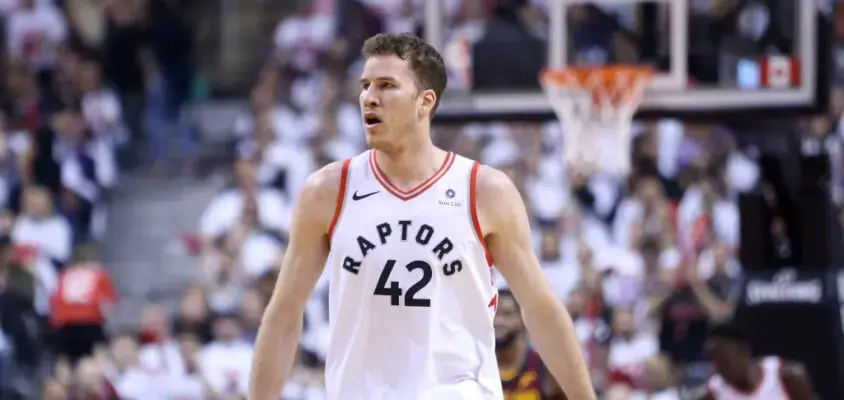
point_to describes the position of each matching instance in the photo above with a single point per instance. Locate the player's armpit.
(796, 381)
(504, 223)
(304, 260)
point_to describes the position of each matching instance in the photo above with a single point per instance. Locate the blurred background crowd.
(103, 297)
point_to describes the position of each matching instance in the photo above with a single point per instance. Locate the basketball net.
(595, 106)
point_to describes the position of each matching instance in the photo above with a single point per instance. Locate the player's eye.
(386, 85)
(364, 86)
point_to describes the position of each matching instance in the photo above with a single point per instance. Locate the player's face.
(508, 321)
(730, 359)
(390, 101)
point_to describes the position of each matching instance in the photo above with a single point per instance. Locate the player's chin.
(376, 139)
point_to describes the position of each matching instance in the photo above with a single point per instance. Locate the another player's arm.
(796, 381)
(506, 228)
(278, 335)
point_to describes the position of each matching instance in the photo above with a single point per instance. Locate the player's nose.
(369, 99)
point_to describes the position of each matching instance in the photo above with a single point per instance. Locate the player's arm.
(504, 221)
(278, 335)
(550, 388)
(796, 381)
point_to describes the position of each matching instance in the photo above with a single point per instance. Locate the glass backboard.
(712, 57)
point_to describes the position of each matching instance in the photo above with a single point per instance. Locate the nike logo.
(363, 196)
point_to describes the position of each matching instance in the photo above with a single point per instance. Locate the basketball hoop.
(595, 106)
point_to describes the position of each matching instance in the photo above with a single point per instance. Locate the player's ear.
(429, 99)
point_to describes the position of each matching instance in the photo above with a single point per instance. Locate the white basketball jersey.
(771, 387)
(411, 298)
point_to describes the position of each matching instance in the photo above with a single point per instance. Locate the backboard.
(714, 58)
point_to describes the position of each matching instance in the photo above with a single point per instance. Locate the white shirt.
(770, 388)
(411, 301)
(303, 36)
(33, 35)
(226, 366)
(225, 210)
(163, 358)
(52, 235)
(104, 113)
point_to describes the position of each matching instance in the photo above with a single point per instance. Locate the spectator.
(230, 207)
(659, 382)
(22, 100)
(192, 385)
(225, 282)
(122, 66)
(88, 170)
(519, 64)
(687, 311)
(80, 307)
(160, 353)
(252, 309)
(562, 274)
(18, 318)
(194, 316)
(13, 148)
(53, 389)
(101, 106)
(39, 164)
(91, 382)
(300, 37)
(226, 361)
(34, 33)
(123, 371)
(278, 165)
(704, 215)
(169, 76)
(261, 102)
(630, 349)
(48, 237)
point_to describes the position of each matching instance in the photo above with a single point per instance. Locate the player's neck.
(410, 163)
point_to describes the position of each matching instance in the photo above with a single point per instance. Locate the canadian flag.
(780, 72)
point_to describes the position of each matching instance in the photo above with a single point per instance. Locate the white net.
(596, 107)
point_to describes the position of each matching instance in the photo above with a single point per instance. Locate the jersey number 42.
(385, 287)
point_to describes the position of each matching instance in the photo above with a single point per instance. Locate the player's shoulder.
(494, 188)
(490, 180)
(323, 185)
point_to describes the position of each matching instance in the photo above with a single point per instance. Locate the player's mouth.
(370, 120)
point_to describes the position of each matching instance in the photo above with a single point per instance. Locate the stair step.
(142, 249)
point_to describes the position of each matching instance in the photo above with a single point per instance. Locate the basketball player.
(523, 375)
(741, 377)
(410, 232)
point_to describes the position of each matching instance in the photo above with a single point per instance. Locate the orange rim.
(601, 81)
(607, 74)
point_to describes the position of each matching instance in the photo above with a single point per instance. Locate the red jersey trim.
(341, 197)
(473, 206)
(416, 190)
(476, 224)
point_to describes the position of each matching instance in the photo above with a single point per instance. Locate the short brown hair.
(427, 64)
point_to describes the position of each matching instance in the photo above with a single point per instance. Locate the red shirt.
(82, 291)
